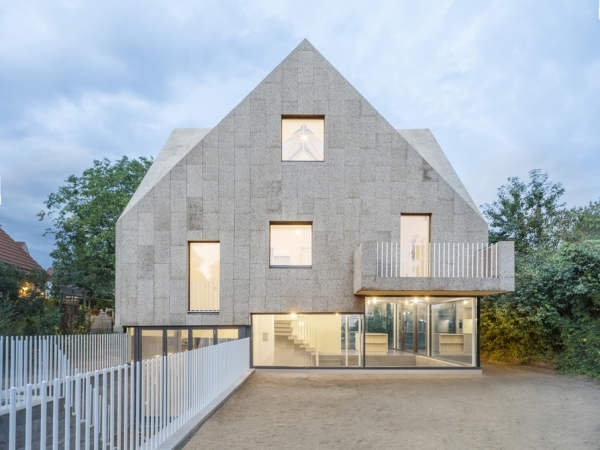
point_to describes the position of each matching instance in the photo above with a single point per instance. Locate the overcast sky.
(506, 86)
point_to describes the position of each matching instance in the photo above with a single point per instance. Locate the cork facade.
(229, 184)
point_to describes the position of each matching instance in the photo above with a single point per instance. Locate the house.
(309, 223)
(16, 253)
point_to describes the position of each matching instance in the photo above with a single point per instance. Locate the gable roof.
(180, 142)
(183, 141)
(423, 141)
(12, 253)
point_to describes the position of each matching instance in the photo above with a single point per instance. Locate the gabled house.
(306, 221)
(16, 253)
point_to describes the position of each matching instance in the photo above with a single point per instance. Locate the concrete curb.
(185, 433)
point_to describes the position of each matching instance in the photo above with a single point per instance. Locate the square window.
(291, 245)
(205, 269)
(303, 139)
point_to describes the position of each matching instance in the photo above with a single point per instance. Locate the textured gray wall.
(232, 183)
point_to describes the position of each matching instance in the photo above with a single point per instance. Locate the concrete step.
(330, 360)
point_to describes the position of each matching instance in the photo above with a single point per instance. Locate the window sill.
(204, 312)
(290, 267)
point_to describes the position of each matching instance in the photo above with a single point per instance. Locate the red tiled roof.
(13, 253)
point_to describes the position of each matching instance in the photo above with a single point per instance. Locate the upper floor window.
(290, 245)
(414, 244)
(302, 139)
(205, 278)
(414, 228)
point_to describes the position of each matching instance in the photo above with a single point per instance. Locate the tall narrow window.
(414, 243)
(205, 260)
(303, 139)
(291, 245)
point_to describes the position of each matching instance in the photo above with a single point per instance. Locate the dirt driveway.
(506, 408)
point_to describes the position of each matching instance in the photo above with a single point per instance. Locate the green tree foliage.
(84, 213)
(23, 308)
(528, 213)
(581, 224)
(554, 312)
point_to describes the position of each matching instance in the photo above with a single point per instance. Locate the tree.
(529, 214)
(23, 308)
(554, 311)
(582, 224)
(84, 213)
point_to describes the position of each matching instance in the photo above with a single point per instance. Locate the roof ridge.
(174, 150)
(426, 145)
(14, 254)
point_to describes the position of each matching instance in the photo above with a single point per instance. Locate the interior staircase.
(285, 339)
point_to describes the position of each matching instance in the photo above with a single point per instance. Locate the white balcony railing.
(437, 260)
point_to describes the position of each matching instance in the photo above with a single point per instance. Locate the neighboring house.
(16, 253)
(306, 221)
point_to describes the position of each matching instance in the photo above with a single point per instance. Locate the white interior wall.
(263, 351)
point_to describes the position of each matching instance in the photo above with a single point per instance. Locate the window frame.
(189, 279)
(300, 117)
(291, 223)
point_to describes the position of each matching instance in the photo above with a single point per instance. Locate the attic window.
(302, 139)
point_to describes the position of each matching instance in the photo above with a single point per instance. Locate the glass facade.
(303, 139)
(202, 338)
(151, 344)
(307, 340)
(177, 341)
(421, 331)
(290, 245)
(394, 332)
(205, 277)
(148, 343)
(226, 335)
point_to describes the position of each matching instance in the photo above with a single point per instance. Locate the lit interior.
(291, 245)
(302, 139)
(205, 261)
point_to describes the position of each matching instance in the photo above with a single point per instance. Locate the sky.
(505, 86)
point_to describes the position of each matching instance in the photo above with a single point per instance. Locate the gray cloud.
(506, 86)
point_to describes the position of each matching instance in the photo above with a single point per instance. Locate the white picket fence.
(437, 260)
(33, 359)
(131, 406)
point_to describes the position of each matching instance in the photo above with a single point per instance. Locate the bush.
(554, 312)
(581, 354)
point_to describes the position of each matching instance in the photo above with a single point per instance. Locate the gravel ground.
(506, 408)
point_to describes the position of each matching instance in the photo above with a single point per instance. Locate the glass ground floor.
(153, 342)
(392, 332)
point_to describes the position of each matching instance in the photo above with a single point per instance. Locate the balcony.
(441, 268)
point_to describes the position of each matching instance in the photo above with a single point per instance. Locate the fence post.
(12, 426)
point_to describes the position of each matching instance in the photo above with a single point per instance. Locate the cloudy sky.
(506, 86)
